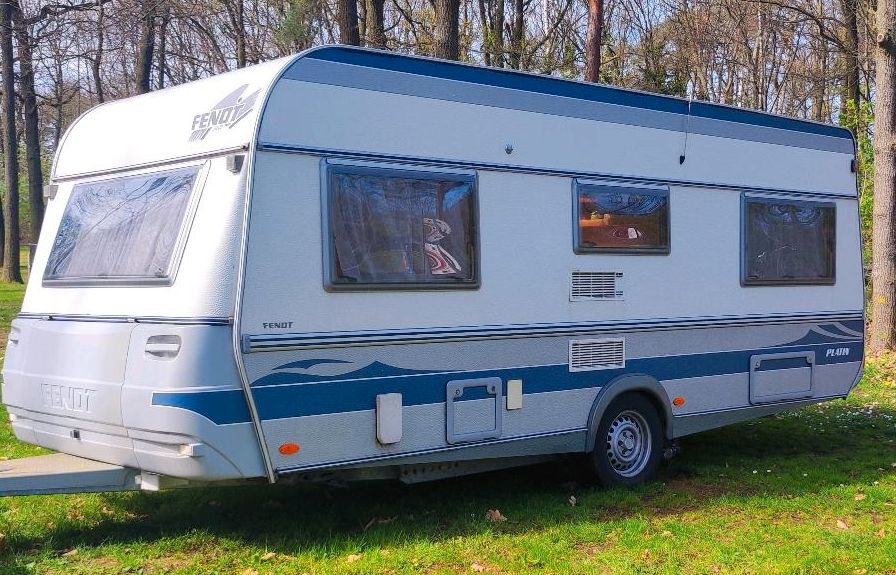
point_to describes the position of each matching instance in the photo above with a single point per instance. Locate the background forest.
(814, 59)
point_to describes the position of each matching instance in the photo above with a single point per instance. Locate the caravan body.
(354, 260)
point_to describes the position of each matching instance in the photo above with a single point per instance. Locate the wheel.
(628, 448)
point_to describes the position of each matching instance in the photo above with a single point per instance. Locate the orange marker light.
(289, 448)
(678, 401)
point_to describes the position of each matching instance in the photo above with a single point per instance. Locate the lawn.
(807, 492)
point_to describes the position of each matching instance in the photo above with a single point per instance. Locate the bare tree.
(375, 25)
(593, 40)
(447, 29)
(145, 47)
(883, 335)
(11, 270)
(347, 14)
(30, 119)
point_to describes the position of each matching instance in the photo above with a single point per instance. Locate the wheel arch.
(640, 383)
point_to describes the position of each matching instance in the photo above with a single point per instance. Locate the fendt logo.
(67, 398)
(225, 114)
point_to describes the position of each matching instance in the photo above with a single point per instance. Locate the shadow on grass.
(807, 454)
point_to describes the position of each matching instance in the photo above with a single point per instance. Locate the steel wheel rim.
(628, 443)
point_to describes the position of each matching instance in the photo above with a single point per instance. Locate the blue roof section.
(552, 86)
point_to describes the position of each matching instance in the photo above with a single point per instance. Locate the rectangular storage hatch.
(781, 376)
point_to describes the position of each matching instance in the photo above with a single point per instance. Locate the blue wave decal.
(307, 363)
(836, 331)
(371, 371)
(335, 396)
(221, 407)
(855, 325)
(814, 337)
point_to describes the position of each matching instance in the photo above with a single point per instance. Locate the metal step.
(63, 473)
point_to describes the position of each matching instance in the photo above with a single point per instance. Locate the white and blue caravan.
(357, 263)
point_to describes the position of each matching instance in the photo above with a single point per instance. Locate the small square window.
(401, 229)
(787, 242)
(622, 219)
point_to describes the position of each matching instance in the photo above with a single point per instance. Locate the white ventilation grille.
(591, 354)
(588, 286)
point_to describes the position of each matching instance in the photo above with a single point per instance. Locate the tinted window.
(622, 219)
(123, 228)
(403, 228)
(788, 242)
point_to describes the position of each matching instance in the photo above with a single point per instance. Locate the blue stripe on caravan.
(298, 400)
(565, 88)
(222, 407)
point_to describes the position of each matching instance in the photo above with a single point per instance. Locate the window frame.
(747, 198)
(330, 166)
(654, 189)
(177, 251)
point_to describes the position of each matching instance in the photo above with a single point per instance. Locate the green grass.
(807, 492)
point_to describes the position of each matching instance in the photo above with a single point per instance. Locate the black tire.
(635, 458)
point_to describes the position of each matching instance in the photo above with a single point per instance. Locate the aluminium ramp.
(62, 473)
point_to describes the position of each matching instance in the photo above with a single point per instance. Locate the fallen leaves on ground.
(495, 516)
(379, 521)
(841, 524)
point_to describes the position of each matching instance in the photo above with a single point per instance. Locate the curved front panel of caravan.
(132, 288)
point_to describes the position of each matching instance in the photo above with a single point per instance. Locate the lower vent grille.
(593, 354)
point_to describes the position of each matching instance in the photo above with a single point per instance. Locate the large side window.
(402, 229)
(622, 219)
(787, 242)
(122, 230)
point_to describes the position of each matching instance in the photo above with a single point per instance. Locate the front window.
(124, 229)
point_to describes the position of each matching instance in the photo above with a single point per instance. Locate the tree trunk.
(347, 15)
(376, 35)
(883, 334)
(163, 46)
(11, 270)
(496, 40)
(97, 60)
(31, 121)
(447, 33)
(852, 73)
(145, 47)
(516, 35)
(592, 40)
